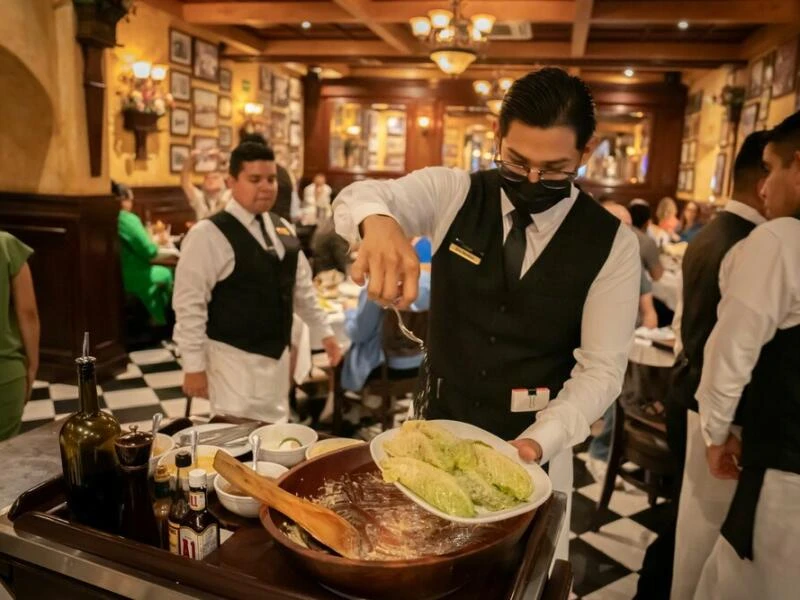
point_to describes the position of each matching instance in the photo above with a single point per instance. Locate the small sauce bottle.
(162, 504)
(180, 500)
(199, 532)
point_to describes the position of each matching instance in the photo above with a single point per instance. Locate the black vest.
(251, 309)
(701, 294)
(283, 203)
(770, 412)
(485, 339)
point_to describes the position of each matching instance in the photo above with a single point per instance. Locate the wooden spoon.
(325, 525)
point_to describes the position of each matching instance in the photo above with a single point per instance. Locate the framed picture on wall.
(180, 48)
(769, 73)
(204, 162)
(682, 180)
(295, 135)
(205, 107)
(763, 104)
(719, 174)
(180, 85)
(689, 184)
(180, 120)
(756, 79)
(225, 107)
(178, 155)
(278, 128)
(225, 136)
(785, 68)
(225, 80)
(684, 152)
(295, 111)
(749, 117)
(295, 89)
(206, 60)
(280, 91)
(691, 154)
(264, 78)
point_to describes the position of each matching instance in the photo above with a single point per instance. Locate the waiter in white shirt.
(240, 276)
(756, 343)
(704, 500)
(535, 287)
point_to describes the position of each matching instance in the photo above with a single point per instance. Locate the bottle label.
(198, 545)
(174, 531)
(197, 499)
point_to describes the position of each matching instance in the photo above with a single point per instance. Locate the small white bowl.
(205, 458)
(245, 506)
(330, 445)
(161, 445)
(272, 435)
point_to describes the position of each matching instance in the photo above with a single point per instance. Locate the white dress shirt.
(427, 201)
(206, 259)
(760, 283)
(740, 209)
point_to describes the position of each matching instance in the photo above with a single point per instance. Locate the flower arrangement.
(145, 95)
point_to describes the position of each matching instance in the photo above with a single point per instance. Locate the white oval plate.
(542, 487)
(236, 451)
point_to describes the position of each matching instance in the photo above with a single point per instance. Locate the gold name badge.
(283, 231)
(465, 254)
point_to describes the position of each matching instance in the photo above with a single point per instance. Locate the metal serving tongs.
(405, 330)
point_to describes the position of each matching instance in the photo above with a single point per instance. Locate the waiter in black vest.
(705, 500)
(756, 343)
(535, 287)
(240, 277)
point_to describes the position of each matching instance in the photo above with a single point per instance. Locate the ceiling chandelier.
(493, 92)
(454, 40)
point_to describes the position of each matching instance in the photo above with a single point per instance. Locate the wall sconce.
(141, 69)
(353, 130)
(158, 72)
(253, 109)
(424, 123)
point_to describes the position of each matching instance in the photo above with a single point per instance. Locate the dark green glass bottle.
(87, 454)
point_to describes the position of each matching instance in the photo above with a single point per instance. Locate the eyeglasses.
(552, 179)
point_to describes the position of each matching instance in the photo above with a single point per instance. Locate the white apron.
(702, 509)
(247, 385)
(774, 572)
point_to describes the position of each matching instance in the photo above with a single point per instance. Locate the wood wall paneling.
(76, 273)
(163, 203)
(664, 102)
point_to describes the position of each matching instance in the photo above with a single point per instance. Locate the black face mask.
(534, 198)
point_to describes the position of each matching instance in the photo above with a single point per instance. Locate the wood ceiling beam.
(657, 51)
(330, 48)
(265, 13)
(260, 14)
(766, 38)
(397, 36)
(580, 27)
(719, 13)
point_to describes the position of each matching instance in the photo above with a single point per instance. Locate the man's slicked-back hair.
(785, 138)
(749, 163)
(248, 152)
(256, 138)
(550, 97)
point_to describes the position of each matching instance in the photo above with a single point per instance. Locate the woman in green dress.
(19, 333)
(152, 284)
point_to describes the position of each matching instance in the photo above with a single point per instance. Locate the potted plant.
(142, 106)
(97, 20)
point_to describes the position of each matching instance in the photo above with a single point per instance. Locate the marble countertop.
(27, 460)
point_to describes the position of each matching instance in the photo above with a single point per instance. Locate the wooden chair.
(388, 385)
(639, 437)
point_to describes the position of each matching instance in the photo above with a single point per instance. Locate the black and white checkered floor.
(606, 563)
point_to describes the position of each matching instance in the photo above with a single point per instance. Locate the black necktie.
(267, 239)
(514, 248)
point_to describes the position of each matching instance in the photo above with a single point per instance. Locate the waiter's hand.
(388, 259)
(332, 349)
(529, 450)
(195, 385)
(723, 460)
